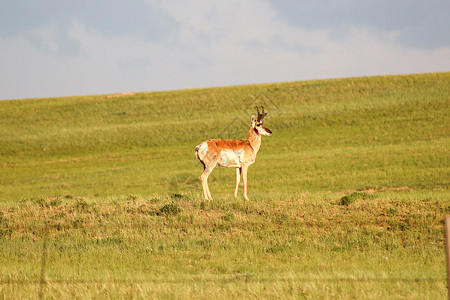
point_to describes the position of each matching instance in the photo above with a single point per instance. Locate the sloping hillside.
(340, 134)
(100, 198)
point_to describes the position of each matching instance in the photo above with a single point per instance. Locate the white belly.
(231, 158)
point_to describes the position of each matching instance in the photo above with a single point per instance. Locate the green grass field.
(100, 197)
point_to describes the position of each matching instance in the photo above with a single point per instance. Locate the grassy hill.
(346, 197)
(341, 134)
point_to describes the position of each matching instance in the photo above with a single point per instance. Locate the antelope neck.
(254, 138)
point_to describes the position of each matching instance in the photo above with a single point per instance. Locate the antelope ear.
(253, 119)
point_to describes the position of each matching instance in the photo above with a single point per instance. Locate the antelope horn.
(263, 114)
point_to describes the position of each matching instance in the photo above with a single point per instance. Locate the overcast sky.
(65, 48)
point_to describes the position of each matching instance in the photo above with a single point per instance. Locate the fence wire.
(43, 281)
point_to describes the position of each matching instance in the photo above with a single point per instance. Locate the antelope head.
(257, 124)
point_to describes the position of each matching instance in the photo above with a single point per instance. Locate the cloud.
(207, 43)
(255, 44)
(421, 24)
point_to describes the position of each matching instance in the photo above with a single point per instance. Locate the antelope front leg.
(244, 175)
(238, 179)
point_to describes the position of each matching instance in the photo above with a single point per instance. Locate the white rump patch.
(202, 150)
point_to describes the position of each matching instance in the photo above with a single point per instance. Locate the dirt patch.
(120, 95)
(381, 189)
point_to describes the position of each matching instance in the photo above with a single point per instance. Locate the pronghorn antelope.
(239, 154)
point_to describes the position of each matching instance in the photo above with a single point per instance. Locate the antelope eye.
(258, 124)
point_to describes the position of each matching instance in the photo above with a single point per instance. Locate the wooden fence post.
(447, 251)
